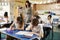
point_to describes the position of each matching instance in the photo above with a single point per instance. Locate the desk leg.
(0, 32)
(52, 34)
(52, 31)
(0, 35)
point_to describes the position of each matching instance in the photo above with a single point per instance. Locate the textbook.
(24, 33)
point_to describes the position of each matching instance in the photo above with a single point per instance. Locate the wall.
(3, 9)
(49, 7)
(16, 4)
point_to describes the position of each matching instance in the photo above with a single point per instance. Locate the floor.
(56, 34)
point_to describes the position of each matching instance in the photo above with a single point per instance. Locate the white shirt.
(48, 24)
(37, 29)
(5, 19)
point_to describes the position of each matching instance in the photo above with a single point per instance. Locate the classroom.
(29, 19)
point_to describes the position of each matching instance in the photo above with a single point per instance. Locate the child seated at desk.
(36, 28)
(48, 26)
(19, 24)
(6, 20)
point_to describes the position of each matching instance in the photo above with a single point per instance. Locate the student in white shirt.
(6, 20)
(36, 28)
(48, 26)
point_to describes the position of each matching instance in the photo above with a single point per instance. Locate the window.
(3, 2)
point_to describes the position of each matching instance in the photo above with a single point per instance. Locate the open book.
(24, 33)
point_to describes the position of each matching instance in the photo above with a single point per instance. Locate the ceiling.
(13, 1)
(42, 1)
(22, 1)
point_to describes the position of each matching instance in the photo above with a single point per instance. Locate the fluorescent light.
(2, 3)
(42, 1)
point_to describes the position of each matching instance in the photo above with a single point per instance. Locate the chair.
(7, 25)
(25, 26)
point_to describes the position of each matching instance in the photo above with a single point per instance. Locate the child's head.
(6, 14)
(37, 16)
(19, 20)
(20, 15)
(49, 17)
(35, 22)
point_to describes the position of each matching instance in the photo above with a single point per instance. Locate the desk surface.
(13, 34)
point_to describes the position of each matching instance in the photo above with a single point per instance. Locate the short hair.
(35, 22)
(50, 16)
(6, 14)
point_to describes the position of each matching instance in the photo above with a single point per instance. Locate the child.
(19, 24)
(6, 20)
(6, 17)
(36, 28)
(48, 26)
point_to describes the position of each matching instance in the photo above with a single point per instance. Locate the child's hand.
(11, 28)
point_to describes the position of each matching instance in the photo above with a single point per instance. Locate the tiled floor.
(56, 34)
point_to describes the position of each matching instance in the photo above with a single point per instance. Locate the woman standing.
(28, 11)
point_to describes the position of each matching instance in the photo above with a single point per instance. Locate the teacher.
(28, 12)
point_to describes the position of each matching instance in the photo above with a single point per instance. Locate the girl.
(36, 28)
(6, 17)
(28, 11)
(19, 24)
(6, 20)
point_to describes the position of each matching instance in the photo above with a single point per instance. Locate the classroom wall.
(3, 9)
(48, 7)
(16, 4)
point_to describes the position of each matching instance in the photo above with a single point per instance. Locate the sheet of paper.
(24, 33)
